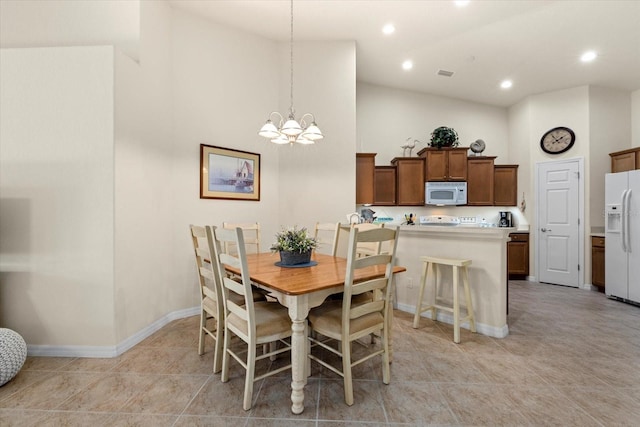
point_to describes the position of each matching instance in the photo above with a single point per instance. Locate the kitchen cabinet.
(597, 262)
(445, 164)
(385, 187)
(626, 160)
(410, 180)
(518, 255)
(505, 185)
(480, 181)
(365, 177)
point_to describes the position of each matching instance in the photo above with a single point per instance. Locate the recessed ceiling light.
(506, 84)
(407, 65)
(388, 29)
(588, 56)
(461, 3)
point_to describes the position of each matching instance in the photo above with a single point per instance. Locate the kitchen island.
(485, 246)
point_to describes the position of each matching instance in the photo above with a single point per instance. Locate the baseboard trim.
(490, 331)
(110, 351)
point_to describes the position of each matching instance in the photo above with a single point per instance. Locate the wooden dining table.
(300, 289)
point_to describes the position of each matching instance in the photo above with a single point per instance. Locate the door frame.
(581, 210)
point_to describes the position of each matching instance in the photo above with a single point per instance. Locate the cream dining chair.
(255, 323)
(346, 321)
(326, 234)
(251, 231)
(211, 304)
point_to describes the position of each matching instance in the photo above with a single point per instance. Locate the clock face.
(557, 140)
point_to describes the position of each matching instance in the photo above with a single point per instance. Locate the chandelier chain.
(289, 131)
(291, 62)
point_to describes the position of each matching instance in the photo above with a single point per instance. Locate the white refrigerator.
(622, 235)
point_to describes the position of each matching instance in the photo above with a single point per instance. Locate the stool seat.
(446, 261)
(459, 267)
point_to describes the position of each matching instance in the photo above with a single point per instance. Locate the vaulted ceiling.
(536, 44)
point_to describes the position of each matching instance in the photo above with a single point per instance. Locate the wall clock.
(557, 140)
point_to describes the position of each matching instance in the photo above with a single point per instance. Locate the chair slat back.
(379, 287)
(365, 248)
(242, 283)
(326, 234)
(251, 234)
(207, 278)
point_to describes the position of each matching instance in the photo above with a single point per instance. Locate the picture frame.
(229, 174)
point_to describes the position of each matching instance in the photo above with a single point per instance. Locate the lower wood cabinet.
(518, 256)
(597, 262)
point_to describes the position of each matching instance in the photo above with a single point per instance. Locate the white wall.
(610, 130)
(57, 195)
(48, 23)
(224, 84)
(386, 117)
(144, 263)
(317, 182)
(635, 118)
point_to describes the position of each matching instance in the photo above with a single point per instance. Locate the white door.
(558, 234)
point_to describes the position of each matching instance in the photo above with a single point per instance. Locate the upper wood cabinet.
(626, 160)
(480, 181)
(385, 186)
(505, 185)
(365, 177)
(445, 164)
(410, 180)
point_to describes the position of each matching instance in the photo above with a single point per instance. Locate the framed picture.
(229, 174)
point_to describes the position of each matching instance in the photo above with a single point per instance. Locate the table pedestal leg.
(298, 365)
(298, 311)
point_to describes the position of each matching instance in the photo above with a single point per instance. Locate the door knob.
(544, 230)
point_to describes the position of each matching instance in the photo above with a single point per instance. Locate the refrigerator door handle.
(627, 215)
(623, 221)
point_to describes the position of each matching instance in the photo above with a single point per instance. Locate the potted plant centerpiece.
(295, 246)
(444, 137)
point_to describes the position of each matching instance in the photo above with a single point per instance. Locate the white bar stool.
(459, 266)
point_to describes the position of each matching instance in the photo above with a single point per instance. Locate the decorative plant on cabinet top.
(444, 137)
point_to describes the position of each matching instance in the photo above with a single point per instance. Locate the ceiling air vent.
(445, 73)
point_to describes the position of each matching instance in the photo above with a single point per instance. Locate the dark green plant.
(444, 137)
(294, 240)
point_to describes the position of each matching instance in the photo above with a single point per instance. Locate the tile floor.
(572, 359)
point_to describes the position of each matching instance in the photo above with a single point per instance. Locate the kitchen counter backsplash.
(484, 216)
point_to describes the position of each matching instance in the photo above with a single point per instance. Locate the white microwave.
(445, 193)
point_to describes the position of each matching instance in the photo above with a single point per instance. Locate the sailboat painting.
(229, 174)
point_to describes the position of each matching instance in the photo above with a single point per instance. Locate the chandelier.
(287, 132)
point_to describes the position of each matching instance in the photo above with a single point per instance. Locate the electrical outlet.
(467, 219)
(410, 283)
